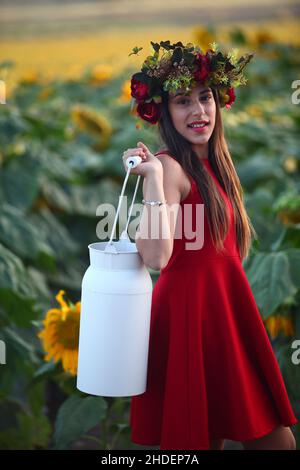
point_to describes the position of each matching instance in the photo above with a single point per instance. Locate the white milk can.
(116, 294)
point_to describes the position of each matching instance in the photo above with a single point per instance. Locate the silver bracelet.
(153, 203)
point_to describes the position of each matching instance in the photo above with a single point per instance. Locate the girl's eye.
(202, 98)
(207, 96)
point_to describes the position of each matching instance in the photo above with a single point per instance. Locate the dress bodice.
(193, 242)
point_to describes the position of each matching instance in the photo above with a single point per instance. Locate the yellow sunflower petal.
(271, 325)
(60, 300)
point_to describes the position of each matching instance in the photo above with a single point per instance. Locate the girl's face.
(198, 105)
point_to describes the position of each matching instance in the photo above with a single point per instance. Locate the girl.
(212, 373)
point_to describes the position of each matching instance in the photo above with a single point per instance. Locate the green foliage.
(270, 277)
(53, 176)
(30, 432)
(76, 416)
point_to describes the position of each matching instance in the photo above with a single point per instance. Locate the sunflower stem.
(92, 438)
(115, 438)
(105, 425)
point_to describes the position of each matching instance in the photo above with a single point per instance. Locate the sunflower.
(60, 335)
(203, 36)
(89, 120)
(290, 164)
(100, 74)
(29, 77)
(263, 37)
(254, 110)
(279, 323)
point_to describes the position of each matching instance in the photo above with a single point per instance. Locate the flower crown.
(182, 67)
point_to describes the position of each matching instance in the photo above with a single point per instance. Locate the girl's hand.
(149, 164)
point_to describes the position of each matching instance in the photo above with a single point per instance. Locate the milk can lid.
(115, 247)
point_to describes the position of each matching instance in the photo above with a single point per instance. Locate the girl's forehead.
(195, 89)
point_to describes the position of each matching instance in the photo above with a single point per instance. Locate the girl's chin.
(198, 138)
(195, 137)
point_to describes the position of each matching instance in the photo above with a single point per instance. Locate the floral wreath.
(184, 66)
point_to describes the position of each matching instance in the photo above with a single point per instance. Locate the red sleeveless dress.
(212, 372)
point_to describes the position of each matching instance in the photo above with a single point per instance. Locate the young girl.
(212, 373)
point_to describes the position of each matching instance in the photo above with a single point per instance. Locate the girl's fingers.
(140, 152)
(145, 148)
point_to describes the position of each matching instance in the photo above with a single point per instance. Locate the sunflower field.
(60, 157)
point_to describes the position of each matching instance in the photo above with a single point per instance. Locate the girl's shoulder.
(167, 159)
(165, 153)
(186, 181)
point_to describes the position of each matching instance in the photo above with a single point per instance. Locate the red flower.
(231, 97)
(203, 67)
(139, 90)
(149, 111)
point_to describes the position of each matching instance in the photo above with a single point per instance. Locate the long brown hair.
(221, 162)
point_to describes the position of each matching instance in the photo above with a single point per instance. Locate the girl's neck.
(201, 153)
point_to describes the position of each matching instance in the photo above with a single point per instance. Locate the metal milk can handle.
(131, 162)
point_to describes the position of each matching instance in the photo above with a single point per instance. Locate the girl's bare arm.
(155, 235)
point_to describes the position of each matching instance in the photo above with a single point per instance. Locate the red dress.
(212, 372)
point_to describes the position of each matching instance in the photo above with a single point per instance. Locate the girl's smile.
(198, 128)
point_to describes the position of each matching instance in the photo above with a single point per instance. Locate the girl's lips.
(198, 129)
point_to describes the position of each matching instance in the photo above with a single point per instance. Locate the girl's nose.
(198, 106)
